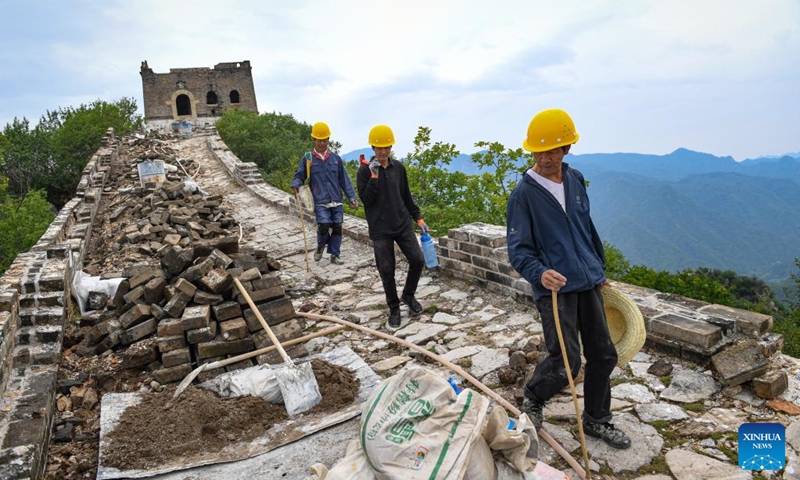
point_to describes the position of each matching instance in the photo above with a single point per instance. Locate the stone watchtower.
(189, 94)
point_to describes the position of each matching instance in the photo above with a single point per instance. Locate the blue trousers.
(329, 228)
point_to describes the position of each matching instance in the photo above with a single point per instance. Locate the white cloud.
(637, 75)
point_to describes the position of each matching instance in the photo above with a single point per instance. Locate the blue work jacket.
(542, 236)
(328, 178)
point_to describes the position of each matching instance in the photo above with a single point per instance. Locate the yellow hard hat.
(550, 129)
(320, 131)
(381, 136)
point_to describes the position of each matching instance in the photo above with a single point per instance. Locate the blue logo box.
(762, 446)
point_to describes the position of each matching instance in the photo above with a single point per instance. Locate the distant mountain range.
(689, 209)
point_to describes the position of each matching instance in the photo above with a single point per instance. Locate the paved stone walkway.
(475, 328)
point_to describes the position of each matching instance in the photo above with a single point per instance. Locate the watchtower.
(188, 94)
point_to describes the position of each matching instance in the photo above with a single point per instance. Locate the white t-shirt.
(556, 189)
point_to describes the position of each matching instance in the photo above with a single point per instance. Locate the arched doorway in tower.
(183, 105)
(234, 96)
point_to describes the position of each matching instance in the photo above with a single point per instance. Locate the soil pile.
(161, 428)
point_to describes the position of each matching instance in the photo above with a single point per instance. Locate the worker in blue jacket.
(328, 178)
(553, 244)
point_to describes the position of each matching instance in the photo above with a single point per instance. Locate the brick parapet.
(354, 227)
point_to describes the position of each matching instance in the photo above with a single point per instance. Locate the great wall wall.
(725, 357)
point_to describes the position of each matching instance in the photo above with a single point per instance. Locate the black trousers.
(384, 259)
(581, 314)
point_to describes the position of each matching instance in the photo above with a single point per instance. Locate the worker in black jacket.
(383, 188)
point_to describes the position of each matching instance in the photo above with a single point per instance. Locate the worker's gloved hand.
(374, 167)
(422, 225)
(354, 203)
(295, 190)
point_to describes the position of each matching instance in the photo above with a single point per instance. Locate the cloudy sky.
(646, 76)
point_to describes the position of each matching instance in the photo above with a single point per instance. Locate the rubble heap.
(177, 251)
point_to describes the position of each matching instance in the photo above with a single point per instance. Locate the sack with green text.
(414, 426)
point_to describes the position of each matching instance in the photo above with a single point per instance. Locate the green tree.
(76, 135)
(787, 319)
(273, 141)
(617, 266)
(27, 156)
(22, 223)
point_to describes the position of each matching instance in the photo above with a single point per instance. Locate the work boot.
(336, 260)
(608, 433)
(394, 318)
(413, 305)
(534, 410)
(318, 253)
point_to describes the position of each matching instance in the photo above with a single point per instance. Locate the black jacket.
(387, 200)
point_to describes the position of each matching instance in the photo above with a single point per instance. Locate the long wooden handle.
(263, 322)
(302, 227)
(287, 343)
(571, 382)
(452, 366)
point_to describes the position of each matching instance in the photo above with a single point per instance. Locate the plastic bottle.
(429, 250)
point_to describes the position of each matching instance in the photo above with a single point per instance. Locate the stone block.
(250, 274)
(134, 316)
(176, 260)
(771, 385)
(140, 331)
(686, 330)
(154, 290)
(172, 374)
(170, 327)
(217, 280)
(740, 362)
(168, 344)
(220, 259)
(260, 296)
(226, 310)
(134, 295)
(233, 329)
(176, 357)
(771, 344)
(749, 323)
(145, 275)
(185, 287)
(119, 296)
(138, 357)
(196, 272)
(265, 282)
(220, 347)
(274, 312)
(176, 305)
(200, 335)
(206, 298)
(197, 316)
(96, 300)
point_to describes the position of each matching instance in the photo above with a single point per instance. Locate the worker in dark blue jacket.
(327, 178)
(553, 244)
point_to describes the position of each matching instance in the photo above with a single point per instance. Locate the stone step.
(39, 334)
(39, 300)
(30, 317)
(43, 354)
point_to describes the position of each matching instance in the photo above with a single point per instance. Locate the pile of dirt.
(161, 428)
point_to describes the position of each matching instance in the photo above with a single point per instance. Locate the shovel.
(298, 383)
(244, 356)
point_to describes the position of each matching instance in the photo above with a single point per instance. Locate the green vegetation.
(40, 166)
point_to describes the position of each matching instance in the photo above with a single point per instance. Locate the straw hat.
(625, 323)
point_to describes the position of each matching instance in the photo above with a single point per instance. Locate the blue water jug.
(429, 250)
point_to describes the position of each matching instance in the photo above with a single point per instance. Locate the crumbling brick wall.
(190, 93)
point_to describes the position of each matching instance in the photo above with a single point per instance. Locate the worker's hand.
(422, 225)
(354, 203)
(374, 167)
(553, 280)
(295, 190)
